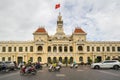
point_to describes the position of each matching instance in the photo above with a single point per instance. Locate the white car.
(115, 64)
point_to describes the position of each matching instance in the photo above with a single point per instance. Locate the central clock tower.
(59, 30)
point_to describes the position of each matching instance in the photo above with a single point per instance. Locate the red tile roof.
(78, 30)
(41, 30)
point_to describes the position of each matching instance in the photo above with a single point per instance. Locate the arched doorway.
(60, 59)
(31, 59)
(54, 59)
(81, 59)
(19, 59)
(39, 59)
(66, 60)
(99, 58)
(71, 59)
(49, 60)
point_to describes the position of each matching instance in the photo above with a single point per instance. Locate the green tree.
(90, 61)
(96, 60)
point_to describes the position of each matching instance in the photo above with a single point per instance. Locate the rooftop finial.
(59, 13)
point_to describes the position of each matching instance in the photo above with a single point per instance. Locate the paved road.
(82, 73)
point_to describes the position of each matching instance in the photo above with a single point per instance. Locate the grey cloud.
(20, 18)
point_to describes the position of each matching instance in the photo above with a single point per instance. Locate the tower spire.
(59, 30)
(59, 21)
(59, 13)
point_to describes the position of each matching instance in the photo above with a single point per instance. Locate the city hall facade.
(59, 47)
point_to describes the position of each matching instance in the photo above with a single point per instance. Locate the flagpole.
(59, 8)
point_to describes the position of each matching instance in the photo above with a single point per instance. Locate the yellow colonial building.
(59, 47)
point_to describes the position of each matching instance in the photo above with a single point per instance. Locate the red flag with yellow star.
(57, 6)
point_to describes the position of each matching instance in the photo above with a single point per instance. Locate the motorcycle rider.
(60, 64)
(27, 67)
(54, 65)
(74, 63)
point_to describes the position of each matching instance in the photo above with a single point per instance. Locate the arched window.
(49, 48)
(71, 49)
(31, 48)
(108, 48)
(54, 49)
(15, 48)
(9, 58)
(81, 59)
(39, 59)
(65, 49)
(9, 49)
(88, 48)
(113, 48)
(118, 49)
(80, 48)
(26, 49)
(3, 58)
(20, 49)
(98, 49)
(60, 49)
(40, 48)
(31, 59)
(3, 49)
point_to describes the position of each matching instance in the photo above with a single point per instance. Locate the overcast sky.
(100, 19)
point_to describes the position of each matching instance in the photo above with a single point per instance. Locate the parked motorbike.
(52, 69)
(4, 68)
(28, 70)
(73, 66)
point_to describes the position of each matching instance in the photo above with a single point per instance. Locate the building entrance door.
(60, 59)
(65, 60)
(54, 59)
(49, 60)
(99, 58)
(19, 59)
